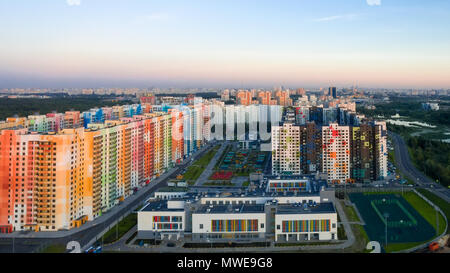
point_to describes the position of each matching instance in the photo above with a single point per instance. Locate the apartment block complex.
(331, 141)
(58, 175)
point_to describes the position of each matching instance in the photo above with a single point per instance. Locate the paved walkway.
(206, 174)
(121, 243)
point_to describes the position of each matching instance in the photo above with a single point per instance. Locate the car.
(98, 249)
(90, 250)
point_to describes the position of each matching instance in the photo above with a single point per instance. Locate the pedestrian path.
(209, 169)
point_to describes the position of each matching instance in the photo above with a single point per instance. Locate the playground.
(242, 162)
(404, 223)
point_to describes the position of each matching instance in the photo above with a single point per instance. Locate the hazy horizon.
(225, 44)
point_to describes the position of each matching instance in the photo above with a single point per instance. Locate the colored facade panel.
(234, 225)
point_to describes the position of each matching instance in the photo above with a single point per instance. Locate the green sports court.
(404, 223)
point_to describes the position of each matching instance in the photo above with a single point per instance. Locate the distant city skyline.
(140, 43)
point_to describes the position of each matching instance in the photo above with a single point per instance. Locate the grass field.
(54, 248)
(425, 210)
(123, 227)
(361, 238)
(351, 213)
(196, 169)
(442, 204)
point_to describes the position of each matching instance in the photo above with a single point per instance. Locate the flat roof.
(158, 206)
(229, 209)
(173, 189)
(262, 194)
(327, 207)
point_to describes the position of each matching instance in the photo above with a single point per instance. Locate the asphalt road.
(407, 168)
(34, 242)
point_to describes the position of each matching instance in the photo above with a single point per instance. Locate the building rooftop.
(229, 209)
(158, 206)
(306, 208)
(173, 189)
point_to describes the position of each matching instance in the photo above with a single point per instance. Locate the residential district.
(278, 164)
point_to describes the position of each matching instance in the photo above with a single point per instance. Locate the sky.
(224, 43)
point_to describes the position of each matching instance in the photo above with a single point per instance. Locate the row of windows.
(234, 225)
(306, 226)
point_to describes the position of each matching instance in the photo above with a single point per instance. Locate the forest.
(411, 109)
(30, 106)
(431, 157)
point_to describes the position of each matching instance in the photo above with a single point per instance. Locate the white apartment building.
(336, 153)
(286, 150)
(382, 149)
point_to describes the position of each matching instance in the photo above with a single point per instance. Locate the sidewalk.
(208, 171)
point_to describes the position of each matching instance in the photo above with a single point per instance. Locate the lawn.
(196, 169)
(361, 239)
(341, 233)
(401, 246)
(124, 226)
(54, 248)
(351, 213)
(442, 204)
(425, 210)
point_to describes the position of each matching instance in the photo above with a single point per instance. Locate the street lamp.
(437, 220)
(386, 216)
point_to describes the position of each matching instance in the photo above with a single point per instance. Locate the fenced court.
(404, 223)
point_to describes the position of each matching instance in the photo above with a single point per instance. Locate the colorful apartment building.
(286, 149)
(336, 153)
(42, 180)
(244, 97)
(60, 180)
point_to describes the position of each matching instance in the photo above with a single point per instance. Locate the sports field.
(404, 223)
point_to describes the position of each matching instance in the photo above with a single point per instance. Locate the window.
(201, 226)
(262, 225)
(278, 226)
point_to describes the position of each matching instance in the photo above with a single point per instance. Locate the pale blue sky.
(218, 43)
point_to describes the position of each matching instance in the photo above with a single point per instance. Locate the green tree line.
(431, 157)
(29, 106)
